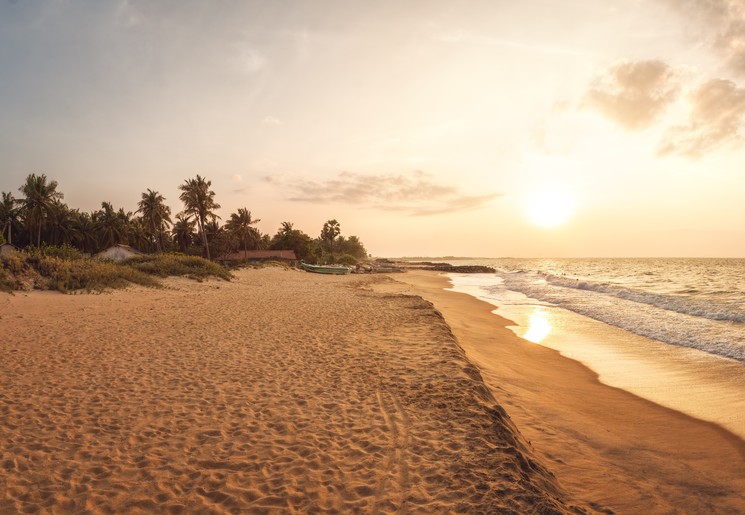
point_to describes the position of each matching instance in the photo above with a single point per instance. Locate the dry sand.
(607, 447)
(279, 392)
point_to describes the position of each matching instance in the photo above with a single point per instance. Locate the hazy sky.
(424, 127)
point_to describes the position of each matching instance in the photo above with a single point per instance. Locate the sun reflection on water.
(539, 326)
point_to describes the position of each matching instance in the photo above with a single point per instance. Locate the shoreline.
(688, 380)
(606, 446)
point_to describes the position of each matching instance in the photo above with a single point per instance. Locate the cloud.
(271, 120)
(461, 37)
(717, 109)
(126, 14)
(247, 59)
(414, 193)
(634, 93)
(722, 26)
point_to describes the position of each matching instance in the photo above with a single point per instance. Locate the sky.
(539, 128)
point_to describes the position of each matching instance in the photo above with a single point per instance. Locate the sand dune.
(281, 391)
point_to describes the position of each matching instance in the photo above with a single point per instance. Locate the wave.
(688, 305)
(695, 323)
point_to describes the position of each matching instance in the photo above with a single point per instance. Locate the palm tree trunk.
(204, 238)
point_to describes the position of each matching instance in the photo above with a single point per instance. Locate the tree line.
(38, 216)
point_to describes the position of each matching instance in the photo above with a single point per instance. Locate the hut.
(118, 252)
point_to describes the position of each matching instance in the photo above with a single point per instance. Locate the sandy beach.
(288, 392)
(278, 392)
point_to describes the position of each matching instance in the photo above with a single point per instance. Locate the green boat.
(326, 269)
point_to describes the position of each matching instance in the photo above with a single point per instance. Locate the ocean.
(696, 303)
(669, 330)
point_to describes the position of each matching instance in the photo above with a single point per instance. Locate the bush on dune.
(165, 265)
(65, 271)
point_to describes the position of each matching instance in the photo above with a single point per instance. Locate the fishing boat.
(326, 269)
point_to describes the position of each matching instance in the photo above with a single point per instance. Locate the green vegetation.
(165, 265)
(40, 219)
(199, 203)
(346, 259)
(59, 268)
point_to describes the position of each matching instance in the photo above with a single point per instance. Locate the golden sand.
(279, 392)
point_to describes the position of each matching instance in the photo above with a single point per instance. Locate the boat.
(326, 269)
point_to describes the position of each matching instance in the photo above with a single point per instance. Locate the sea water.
(669, 330)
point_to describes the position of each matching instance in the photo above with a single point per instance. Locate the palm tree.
(221, 240)
(286, 228)
(111, 226)
(240, 225)
(199, 202)
(156, 216)
(8, 215)
(61, 223)
(139, 235)
(38, 202)
(331, 230)
(183, 232)
(84, 232)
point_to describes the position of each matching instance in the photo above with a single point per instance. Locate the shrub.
(164, 265)
(66, 252)
(45, 270)
(346, 259)
(7, 281)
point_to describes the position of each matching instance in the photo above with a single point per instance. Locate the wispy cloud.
(717, 110)
(271, 120)
(126, 14)
(460, 36)
(720, 24)
(247, 59)
(416, 193)
(633, 93)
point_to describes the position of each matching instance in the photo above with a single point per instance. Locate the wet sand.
(608, 448)
(279, 392)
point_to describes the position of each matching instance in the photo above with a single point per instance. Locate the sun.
(549, 208)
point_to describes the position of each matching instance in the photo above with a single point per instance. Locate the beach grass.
(49, 269)
(168, 265)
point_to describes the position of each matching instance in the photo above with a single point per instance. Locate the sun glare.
(549, 208)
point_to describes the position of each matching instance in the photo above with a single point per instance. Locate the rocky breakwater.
(458, 269)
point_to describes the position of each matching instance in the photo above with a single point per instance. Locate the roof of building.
(120, 247)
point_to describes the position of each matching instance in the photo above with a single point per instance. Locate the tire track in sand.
(396, 463)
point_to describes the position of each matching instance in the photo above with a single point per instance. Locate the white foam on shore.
(688, 380)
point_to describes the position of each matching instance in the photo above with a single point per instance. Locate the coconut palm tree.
(9, 212)
(60, 224)
(140, 236)
(199, 202)
(84, 232)
(156, 216)
(240, 225)
(38, 202)
(111, 226)
(183, 232)
(286, 227)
